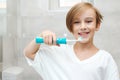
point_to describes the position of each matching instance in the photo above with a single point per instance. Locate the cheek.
(92, 27)
(92, 32)
(75, 31)
(75, 28)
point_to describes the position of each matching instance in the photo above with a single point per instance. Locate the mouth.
(84, 34)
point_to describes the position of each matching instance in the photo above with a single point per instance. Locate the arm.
(31, 49)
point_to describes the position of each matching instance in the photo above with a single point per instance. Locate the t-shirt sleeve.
(30, 61)
(36, 64)
(39, 63)
(112, 72)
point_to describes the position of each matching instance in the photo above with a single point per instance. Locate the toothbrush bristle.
(80, 39)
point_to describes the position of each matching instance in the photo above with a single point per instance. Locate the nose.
(83, 26)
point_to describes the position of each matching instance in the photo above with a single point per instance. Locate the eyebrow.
(89, 18)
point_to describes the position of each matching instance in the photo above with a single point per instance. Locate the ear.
(98, 27)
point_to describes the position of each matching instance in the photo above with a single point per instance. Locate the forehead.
(88, 13)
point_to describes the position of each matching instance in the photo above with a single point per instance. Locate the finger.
(54, 39)
(46, 39)
(50, 41)
(58, 45)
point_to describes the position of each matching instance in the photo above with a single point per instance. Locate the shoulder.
(107, 57)
(111, 69)
(105, 54)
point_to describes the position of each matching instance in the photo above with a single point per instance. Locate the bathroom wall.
(2, 31)
(0, 58)
(27, 18)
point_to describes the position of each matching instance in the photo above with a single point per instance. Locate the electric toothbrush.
(40, 40)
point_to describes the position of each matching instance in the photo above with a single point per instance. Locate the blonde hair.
(79, 8)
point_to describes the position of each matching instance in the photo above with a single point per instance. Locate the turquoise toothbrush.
(40, 40)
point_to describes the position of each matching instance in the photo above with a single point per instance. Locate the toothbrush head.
(80, 39)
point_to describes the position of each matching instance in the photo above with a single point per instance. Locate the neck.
(85, 50)
(84, 46)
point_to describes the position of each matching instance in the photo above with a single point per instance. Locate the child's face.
(85, 25)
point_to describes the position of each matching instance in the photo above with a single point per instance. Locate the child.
(80, 61)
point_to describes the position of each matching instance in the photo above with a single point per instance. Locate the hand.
(49, 37)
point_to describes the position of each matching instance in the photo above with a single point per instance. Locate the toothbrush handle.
(40, 40)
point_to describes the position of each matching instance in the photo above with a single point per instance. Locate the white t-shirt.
(61, 63)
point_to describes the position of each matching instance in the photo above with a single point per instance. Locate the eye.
(89, 21)
(76, 22)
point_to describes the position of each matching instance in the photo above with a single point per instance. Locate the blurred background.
(22, 20)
